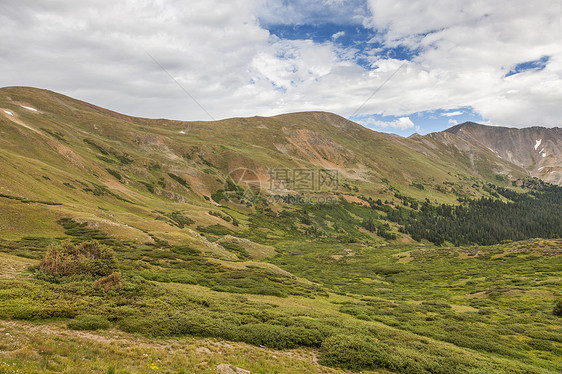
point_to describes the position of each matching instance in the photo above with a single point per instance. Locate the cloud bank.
(503, 59)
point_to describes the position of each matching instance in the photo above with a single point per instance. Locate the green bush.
(557, 311)
(353, 352)
(280, 337)
(113, 282)
(200, 322)
(364, 317)
(214, 230)
(88, 322)
(180, 180)
(20, 311)
(87, 258)
(236, 248)
(114, 173)
(179, 219)
(168, 323)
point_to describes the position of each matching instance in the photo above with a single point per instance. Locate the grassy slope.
(41, 348)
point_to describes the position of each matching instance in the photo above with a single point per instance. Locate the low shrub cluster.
(216, 229)
(236, 248)
(85, 259)
(557, 311)
(179, 220)
(227, 326)
(353, 352)
(88, 322)
(113, 282)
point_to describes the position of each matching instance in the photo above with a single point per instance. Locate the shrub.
(236, 248)
(88, 322)
(113, 282)
(557, 311)
(87, 258)
(353, 352)
(20, 310)
(114, 173)
(98, 147)
(179, 179)
(280, 337)
(363, 317)
(178, 324)
(180, 220)
(214, 230)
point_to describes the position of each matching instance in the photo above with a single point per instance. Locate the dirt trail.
(13, 266)
(115, 336)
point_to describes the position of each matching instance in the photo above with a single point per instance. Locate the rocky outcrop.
(227, 369)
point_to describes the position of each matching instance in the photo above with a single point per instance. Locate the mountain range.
(298, 243)
(114, 170)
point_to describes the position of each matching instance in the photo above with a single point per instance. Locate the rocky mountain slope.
(538, 150)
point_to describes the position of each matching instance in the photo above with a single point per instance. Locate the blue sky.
(350, 36)
(392, 65)
(423, 122)
(536, 65)
(366, 40)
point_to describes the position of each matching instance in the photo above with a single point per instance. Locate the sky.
(392, 65)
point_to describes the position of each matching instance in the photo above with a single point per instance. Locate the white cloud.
(224, 56)
(96, 50)
(452, 114)
(337, 35)
(402, 123)
(298, 12)
(466, 49)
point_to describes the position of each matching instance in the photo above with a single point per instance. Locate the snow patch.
(29, 108)
(9, 113)
(538, 144)
(182, 132)
(543, 155)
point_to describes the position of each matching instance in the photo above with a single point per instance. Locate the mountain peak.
(538, 150)
(468, 125)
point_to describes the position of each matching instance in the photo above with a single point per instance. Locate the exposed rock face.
(538, 150)
(227, 369)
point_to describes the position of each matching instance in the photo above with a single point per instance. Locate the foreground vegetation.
(342, 282)
(51, 348)
(403, 308)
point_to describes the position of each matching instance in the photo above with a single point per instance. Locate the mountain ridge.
(538, 150)
(90, 159)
